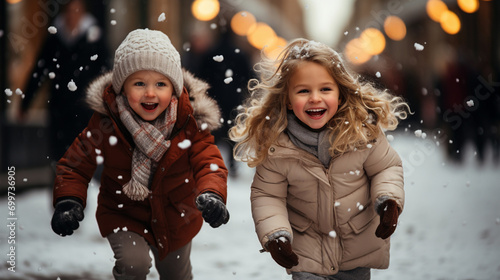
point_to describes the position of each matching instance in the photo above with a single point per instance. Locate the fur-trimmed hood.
(205, 109)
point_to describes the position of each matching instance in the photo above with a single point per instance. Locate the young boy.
(162, 173)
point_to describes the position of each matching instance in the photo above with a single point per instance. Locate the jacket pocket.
(361, 221)
(298, 222)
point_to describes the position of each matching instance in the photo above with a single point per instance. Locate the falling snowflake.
(94, 57)
(332, 234)
(418, 133)
(218, 58)
(8, 92)
(162, 17)
(390, 138)
(72, 86)
(378, 74)
(186, 143)
(228, 80)
(214, 167)
(470, 103)
(418, 47)
(99, 160)
(52, 75)
(113, 140)
(52, 30)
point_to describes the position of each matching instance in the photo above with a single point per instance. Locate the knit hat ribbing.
(145, 49)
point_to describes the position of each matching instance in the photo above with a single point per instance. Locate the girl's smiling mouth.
(316, 113)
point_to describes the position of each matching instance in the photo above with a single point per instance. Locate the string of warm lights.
(372, 41)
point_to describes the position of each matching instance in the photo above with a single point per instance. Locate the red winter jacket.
(168, 218)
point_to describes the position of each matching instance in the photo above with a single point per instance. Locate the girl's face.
(313, 94)
(148, 93)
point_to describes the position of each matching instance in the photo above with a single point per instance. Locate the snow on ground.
(450, 229)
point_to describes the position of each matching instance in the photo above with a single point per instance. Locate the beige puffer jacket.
(329, 213)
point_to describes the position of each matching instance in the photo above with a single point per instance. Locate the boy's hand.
(213, 210)
(389, 213)
(67, 215)
(282, 252)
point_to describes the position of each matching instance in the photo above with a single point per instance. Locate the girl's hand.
(389, 213)
(213, 210)
(282, 252)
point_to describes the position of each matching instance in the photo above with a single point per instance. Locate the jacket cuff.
(68, 198)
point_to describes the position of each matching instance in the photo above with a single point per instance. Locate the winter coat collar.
(205, 109)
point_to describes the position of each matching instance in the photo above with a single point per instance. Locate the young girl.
(324, 169)
(162, 172)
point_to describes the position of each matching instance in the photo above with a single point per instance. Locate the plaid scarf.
(150, 144)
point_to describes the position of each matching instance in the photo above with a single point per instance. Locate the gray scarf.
(312, 141)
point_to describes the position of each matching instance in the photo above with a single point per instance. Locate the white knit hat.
(145, 49)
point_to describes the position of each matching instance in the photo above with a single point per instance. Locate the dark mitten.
(281, 251)
(213, 210)
(67, 215)
(389, 213)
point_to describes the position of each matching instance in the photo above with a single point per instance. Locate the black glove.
(282, 252)
(389, 213)
(213, 210)
(66, 216)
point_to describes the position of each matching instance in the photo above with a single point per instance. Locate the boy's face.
(313, 94)
(148, 93)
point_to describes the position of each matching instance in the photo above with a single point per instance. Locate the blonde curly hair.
(363, 109)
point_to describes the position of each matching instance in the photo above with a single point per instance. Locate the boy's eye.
(161, 84)
(139, 84)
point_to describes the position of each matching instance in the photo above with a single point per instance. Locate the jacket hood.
(205, 109)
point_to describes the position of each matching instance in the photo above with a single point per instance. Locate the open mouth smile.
(316, 113)
(149, 106)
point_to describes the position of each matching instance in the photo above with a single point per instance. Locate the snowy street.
(450, 228)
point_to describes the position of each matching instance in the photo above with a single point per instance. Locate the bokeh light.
(205, 10)
(242, 23)
(468, 6)
(355, 52)
(435, 8)
(395, 28)
(262, 35)
(450, 22)
(276, 48)
(373, 41)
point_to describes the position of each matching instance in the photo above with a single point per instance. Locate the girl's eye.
(303, 91)
(139, 84)
(326, 89)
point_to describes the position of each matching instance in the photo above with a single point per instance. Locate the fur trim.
(206, 110)
(95, 92)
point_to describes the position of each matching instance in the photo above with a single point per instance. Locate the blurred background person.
(69, 59)
(227, 69)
